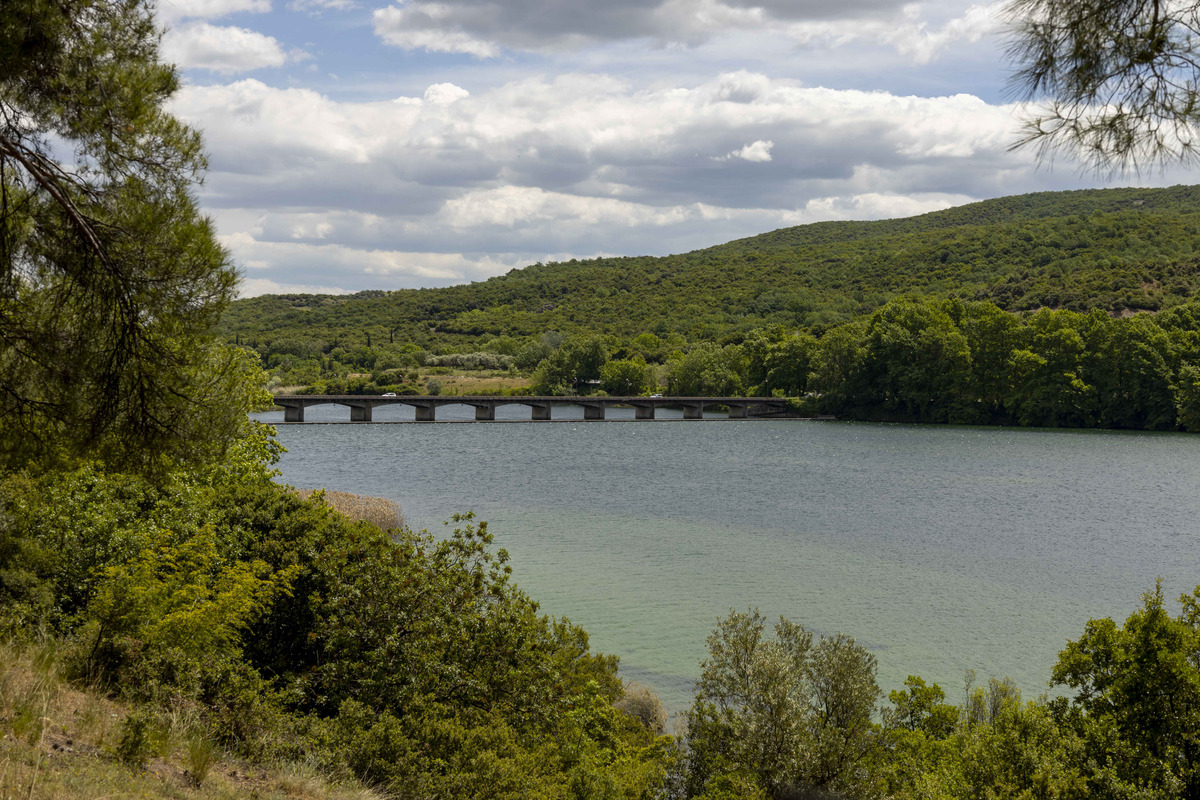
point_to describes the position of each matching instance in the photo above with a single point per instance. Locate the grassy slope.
(1119, 249)
(58, 743)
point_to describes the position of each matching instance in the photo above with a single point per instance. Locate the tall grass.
(64, 742)
(380, 511)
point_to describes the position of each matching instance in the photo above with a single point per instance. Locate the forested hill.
(1115, 249)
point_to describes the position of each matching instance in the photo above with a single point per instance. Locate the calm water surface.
(940, 548)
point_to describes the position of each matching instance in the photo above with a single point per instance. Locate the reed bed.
(379, 511)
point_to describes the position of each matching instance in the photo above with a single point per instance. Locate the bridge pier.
(739, 412)
(593, 412)
(540, 412)
(293, 413)
(425, 413)
(695, 411)
(643, 412)
(485, 413)
(360, 413)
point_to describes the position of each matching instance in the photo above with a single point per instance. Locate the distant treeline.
(950, 361)
(914, 359)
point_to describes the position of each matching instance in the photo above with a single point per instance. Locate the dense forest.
(1117, 250)
(1057, 309)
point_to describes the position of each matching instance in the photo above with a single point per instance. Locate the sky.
(387, 145)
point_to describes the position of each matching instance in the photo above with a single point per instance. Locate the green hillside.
(1116, 249)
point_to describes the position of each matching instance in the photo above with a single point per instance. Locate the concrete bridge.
(485, 406)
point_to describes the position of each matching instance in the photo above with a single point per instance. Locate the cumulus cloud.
(317, 7)
(445, 93)
(484, 29)
(172, 10)
(759, 152)
(225, 50)
(448, 185)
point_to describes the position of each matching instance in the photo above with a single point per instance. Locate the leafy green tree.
(991, 336)
(1186, 391)
(788, 364)
(565, 370)
(1048, 385)
(838, 367)
(176, 595)
(1137, 699)
(755, 346)
(1020, 751)
(1133, 374)
(709, 371)
(917, 359)
(921, 707)
(110, 280)
(626, 377)
(784, 712)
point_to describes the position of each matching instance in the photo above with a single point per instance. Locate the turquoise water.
(941, 549)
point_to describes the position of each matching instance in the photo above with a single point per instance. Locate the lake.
(940, 548)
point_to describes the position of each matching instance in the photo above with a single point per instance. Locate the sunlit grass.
(380, 511)
(69, 750)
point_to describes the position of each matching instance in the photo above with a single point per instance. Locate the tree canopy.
(110, 279)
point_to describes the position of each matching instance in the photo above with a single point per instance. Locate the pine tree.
(110, 278)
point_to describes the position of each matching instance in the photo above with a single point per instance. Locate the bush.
(641, 703)
(140, 739)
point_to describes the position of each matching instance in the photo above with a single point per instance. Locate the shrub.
(138, 739)
(641, 703)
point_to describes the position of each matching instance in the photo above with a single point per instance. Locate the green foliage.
(921, 708)
(1137, 698)
(200, 754)
(708, 371)
(139, 739)
(1186, 391)
(787, 365)
(177, 596)
(1117, 250)
(948, 361)
(570, 369)
(112, 280)
(917, 360)
(626, 378)
(783, 712)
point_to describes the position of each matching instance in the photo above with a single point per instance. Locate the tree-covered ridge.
(1117, 250)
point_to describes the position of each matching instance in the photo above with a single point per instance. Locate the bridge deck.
(540, 405)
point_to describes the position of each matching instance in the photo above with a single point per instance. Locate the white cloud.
(317, 7)
(416, 27)
(445, 93)
(873, 205)
(278, 264)
(450, 186)
(172, 10)
(253, 287)
(758, 152)
(226, 50)
(485, 29)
